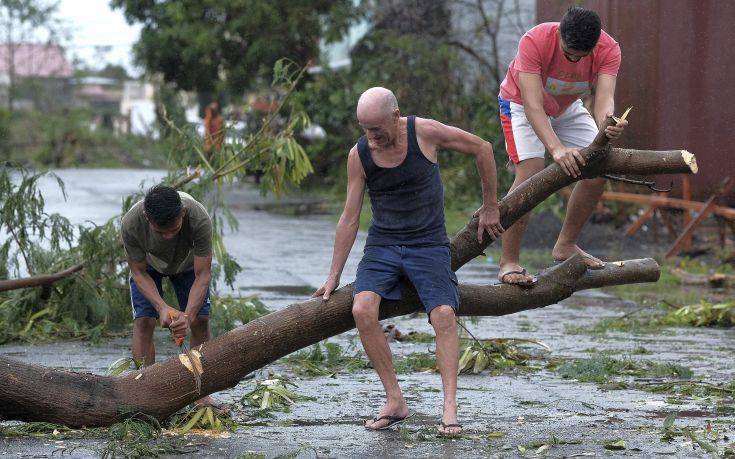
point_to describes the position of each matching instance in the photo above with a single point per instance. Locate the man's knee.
(200, 325)
(443, 319)
(365, 308)
(144, 325)
(528, 167)
(597, 182)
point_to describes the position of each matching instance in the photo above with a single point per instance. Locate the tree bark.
(34, 393)
(37, 281)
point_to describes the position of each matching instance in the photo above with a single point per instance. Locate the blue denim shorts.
(429, 269)
(181, 282)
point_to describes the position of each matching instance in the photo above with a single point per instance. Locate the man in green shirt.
(168, 234)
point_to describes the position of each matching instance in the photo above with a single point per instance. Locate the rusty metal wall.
(678, 71)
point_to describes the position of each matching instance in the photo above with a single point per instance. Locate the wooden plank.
(672, 203)
(680, 242)
(633, 228)
(706, 210)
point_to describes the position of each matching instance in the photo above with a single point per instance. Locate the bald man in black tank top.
(396, 160)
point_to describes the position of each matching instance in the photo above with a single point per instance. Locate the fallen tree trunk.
(31, 392)
(600, 161)
(39, 280)
(35, 393)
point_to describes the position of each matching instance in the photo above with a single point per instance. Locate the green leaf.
(119, 366)
(616, 445)
(193, 421)
(669, 421)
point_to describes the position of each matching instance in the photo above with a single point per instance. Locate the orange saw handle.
(179, 340)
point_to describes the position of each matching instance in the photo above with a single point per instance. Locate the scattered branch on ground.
(273, 394)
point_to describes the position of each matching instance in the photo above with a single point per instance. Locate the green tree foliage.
(213, 45)
(407, 51)
(77, 306)
(66, 138)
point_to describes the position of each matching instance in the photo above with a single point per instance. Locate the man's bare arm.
(202, 277)
(348, 225)
(148, 288)
(441, 136)
(605, 105)
(532, 94)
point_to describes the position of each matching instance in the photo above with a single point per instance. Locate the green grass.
(668, 289)
(603, 369)
(417, 337)
(416, 362)
(631, 325)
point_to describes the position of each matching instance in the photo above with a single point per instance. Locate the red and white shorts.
(575, 127)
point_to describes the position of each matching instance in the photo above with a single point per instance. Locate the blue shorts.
(181, 282)
(429, 269)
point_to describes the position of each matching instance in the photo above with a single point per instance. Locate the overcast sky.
(92, 24)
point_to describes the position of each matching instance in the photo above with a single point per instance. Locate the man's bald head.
(376, 105)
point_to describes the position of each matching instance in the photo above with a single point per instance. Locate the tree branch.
(36, 393)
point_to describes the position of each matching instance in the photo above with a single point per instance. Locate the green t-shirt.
(168, 256)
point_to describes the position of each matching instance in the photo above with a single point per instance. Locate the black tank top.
(407, 200)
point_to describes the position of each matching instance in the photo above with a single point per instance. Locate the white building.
(138, 108)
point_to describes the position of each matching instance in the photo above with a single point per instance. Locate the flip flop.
(590, 257)
(448, 434)
(522, 272)
(392, 420)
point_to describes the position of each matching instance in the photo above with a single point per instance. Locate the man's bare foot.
(513, 273)
(219, 407)
(388, 415)
(561, 253)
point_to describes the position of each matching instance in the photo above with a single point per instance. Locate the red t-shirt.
(564, 81)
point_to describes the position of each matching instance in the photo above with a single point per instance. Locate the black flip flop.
(392, 420)
(522, 272)
(447, 434)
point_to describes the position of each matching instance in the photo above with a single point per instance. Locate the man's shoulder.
(606, 41)
(425, 123)
(427, 127)
(539, 41)
(132, 218)
(543, 31)
(196, 209)
(607, 49)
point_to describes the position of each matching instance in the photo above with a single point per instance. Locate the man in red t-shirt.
(541, 110)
